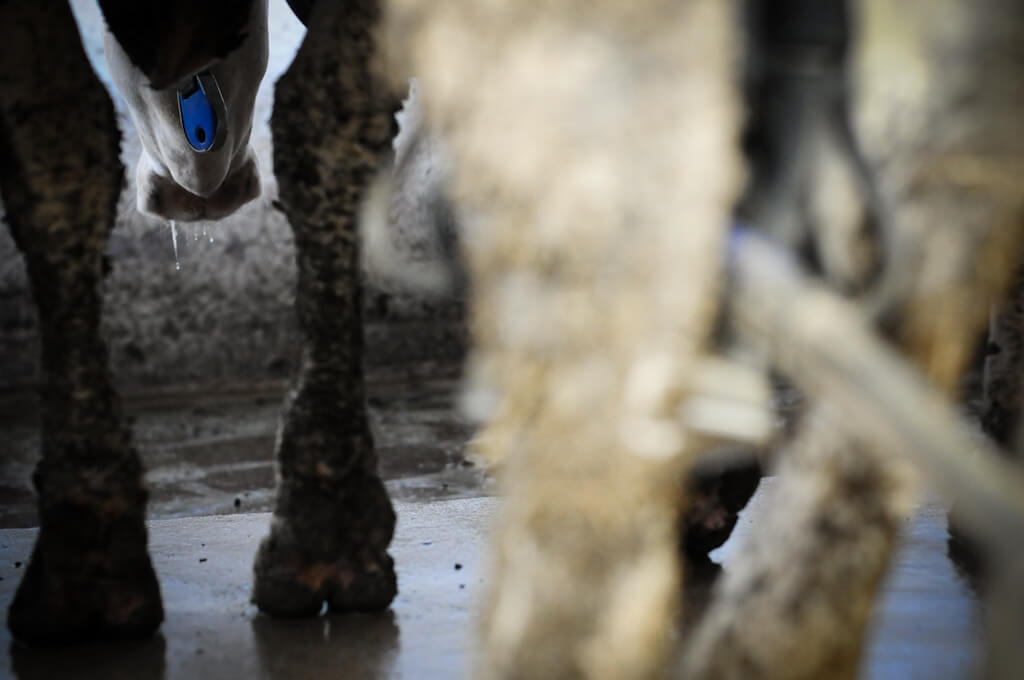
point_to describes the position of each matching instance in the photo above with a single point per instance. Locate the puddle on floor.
(213, 453)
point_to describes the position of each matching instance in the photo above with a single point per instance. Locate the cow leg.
(89, 575)
(798, 605)
(333, 519)
(599, 207)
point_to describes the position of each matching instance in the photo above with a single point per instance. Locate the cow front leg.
(333, 520)
(90, 575)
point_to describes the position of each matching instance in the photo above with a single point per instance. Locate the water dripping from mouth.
(174, 240)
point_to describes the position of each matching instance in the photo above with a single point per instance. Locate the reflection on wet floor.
(926, 625)
(212, 631)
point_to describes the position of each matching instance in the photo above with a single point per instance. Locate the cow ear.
(302, 9)
(172, 40)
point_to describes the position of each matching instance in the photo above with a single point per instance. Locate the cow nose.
(203, 112)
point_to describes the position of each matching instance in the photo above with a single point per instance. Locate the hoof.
(335, 553)
(286, 586)
(69, 595)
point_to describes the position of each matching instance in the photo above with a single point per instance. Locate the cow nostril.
(200, 134)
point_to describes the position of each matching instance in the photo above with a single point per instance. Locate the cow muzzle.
(161, 196)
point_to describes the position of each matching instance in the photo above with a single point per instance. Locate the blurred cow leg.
(936, 113)
(600, 204)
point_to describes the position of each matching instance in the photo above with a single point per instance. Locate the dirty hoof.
(292, 588)
(716, 499)
(74, 591)
(335, 553)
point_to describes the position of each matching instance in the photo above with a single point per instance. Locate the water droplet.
(174, 240)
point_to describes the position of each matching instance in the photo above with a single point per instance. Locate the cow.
(596, 148)
(596, 255)
(90, 575)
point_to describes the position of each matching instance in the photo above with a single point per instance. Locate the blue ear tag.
(202, 111)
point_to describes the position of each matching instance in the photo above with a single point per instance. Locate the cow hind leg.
(89, 575)
(333, 520)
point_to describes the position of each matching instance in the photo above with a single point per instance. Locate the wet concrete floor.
(210, 469)
(926, 626)
(211, 631)
(212, 452)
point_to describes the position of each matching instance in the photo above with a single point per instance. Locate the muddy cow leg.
(89, 575)
(333, 520)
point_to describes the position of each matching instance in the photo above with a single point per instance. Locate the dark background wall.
(224, 318)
